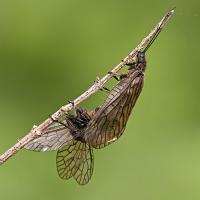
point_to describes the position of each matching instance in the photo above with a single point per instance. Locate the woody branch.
(37, 131)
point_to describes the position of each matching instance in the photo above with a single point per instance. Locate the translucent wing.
(61, 132)
(75, 159)
(53, 138)
(109, 122)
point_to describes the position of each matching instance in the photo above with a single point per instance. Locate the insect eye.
(142, 55)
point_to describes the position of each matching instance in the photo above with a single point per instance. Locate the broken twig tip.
(171, 12)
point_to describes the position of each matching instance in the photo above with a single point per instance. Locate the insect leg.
(115, 75)
(105, 89)
(57, 121)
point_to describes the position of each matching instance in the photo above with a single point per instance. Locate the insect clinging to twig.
(74, 137)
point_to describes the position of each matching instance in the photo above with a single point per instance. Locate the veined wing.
(75, 159)
(53, 138)
(109, 122)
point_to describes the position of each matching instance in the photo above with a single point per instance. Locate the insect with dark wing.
(75, 136)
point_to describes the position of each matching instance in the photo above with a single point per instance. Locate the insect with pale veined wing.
(75, 136)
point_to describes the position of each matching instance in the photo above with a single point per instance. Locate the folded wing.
(109, 122)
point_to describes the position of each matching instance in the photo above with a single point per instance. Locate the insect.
(75, 136)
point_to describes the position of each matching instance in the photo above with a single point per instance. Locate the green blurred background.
(52, 51)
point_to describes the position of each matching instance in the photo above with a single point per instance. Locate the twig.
(39, 130)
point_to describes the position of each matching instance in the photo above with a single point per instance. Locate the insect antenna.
(158, 30)
(152, 40)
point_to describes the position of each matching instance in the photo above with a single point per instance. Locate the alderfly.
(75, 136)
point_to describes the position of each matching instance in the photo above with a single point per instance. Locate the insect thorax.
(139, 63)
